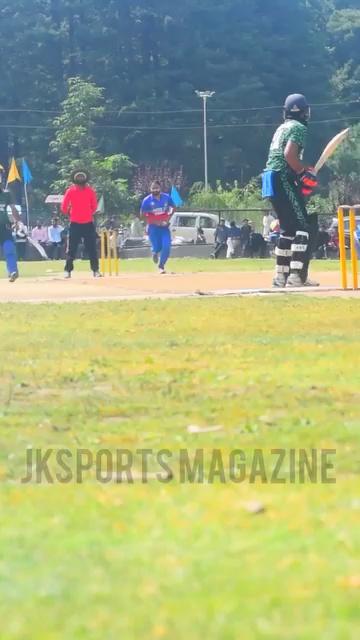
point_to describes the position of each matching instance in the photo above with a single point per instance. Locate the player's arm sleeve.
(144, 209)
(65, 205)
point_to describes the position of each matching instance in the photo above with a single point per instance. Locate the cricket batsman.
(287, 181)
(6, 238)
(157, 209)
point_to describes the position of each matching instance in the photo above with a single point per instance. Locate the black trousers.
(219, 246)
(77, 232)
(289, 205)
(290, 208)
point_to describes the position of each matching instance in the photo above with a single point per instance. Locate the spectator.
(221, 236)
(20, 234)
(267, 220)
(233, 241)
(200, 236)
(55, 237)
(357, 240)
(110, 224)
(245, 231)
(40, 234)
(39, 239)
(256, 245)
(274, 233)
(322, 243)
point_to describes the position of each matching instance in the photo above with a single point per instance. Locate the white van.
(185, 225)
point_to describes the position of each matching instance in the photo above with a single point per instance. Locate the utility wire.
(180, 128)
(121, 112)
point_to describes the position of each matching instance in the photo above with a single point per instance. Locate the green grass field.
(175, 561)
(186, 265)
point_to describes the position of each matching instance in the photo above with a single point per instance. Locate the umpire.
(80, 204)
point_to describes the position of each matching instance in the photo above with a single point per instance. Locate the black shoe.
(13, 276)
(155, 258)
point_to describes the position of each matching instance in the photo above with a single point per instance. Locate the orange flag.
(13, 172)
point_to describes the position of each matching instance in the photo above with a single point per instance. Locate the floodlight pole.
(204, 95)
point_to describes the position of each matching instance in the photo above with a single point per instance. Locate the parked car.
(334, 225)
(186, 224)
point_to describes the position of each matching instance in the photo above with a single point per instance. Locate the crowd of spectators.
(230, 240)
(50, 240)
(238, 241)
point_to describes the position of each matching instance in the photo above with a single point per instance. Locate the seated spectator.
(20, 233)
(40, 234)
(55, 238)
(39, 239)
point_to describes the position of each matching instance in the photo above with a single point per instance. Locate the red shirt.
(80, 203)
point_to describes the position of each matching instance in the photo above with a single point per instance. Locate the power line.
(119, 112)
(28, 111)
(243, 125)
(225, 110)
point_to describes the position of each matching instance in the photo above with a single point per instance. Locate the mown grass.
(179, 265)
(180, 560)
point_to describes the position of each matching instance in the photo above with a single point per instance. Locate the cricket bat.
(331, 148)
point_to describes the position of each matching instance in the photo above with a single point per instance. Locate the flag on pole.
(13, 172)
(175, 197)
(27, 176)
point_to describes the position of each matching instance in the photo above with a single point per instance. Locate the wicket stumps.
(109, 254)
(352, 245)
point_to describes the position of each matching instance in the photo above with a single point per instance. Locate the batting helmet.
(296, 107)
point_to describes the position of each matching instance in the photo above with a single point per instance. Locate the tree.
(344, 30)
(150, 56)
(75, 145)
(345, 168)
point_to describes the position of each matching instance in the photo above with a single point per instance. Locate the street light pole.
(205, 95)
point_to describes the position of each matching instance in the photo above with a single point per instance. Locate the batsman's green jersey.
(5, 224)
(293, 131)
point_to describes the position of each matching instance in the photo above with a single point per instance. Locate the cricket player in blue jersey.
(157, 209)
(6, 238)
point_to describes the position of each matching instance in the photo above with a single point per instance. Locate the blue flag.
(175, 197)
(27, 177)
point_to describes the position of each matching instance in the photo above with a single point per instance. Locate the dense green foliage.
(151, 55)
